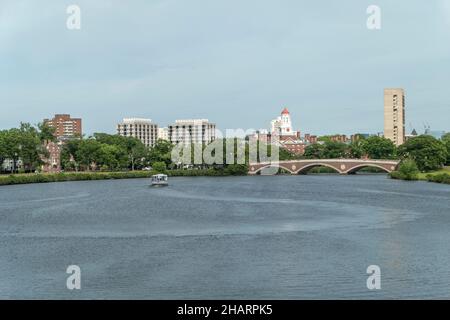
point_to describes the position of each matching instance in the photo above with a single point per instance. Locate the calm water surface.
(277, 237)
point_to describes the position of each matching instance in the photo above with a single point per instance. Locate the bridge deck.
(342, 166)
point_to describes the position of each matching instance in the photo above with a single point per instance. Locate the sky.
(237, 63)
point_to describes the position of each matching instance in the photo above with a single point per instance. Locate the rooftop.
(136, 120)
(192, 121)
(285, 111)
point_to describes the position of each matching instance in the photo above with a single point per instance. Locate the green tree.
(109, 138)
(11, 146)
(378, 148)
(286, 155)
(334, 150)
(88, 153)
(111, 157)
(46, 133)
(407, 170)
(69, 155)
(133, 147)
(159, 166)
(314, 151)
(31, 149)
(355, 150)
(428, 152)
(3, 134)
(161, 152)
(136, 152)
(446, 140)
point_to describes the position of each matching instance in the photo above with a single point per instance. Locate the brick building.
(311, 139)
(65, 128)
(52, 164)
(339, 138)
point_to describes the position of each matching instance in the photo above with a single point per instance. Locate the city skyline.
(321, 62)
(426, 129)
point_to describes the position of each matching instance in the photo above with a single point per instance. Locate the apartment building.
(394, 115)
(192, 131)
(143, 129)
(65, 126)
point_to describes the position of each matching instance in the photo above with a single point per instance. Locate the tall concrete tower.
(285, 124)
(394, 115)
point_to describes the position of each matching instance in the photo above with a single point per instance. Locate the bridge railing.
(387, 161)
(342, 166)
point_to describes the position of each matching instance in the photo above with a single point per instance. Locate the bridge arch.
(278, 166)
(306, 168)
(341, 166)
(365, 165)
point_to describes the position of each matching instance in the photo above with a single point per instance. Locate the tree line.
(27, 144)
(426, 151)
(25, 147)
(106, 152)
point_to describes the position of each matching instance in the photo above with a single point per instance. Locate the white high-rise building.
(142, 129)
(163, 133)
(192, 131)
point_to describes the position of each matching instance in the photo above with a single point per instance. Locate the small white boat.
(160, 180)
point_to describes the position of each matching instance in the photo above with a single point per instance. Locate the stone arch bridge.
(342, 166)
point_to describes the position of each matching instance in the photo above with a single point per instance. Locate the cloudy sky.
(235, 62)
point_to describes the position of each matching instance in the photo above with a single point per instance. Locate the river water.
(260, 237)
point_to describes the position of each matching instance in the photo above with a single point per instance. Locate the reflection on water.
(233, 237)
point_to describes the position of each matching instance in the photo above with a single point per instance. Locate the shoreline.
(441, 176)
(34, 178)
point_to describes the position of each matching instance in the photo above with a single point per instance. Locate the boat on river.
(160, 180)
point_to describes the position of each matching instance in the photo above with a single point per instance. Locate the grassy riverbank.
(438, 176)
(69, 176)
(423, 175)
(78, 176)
